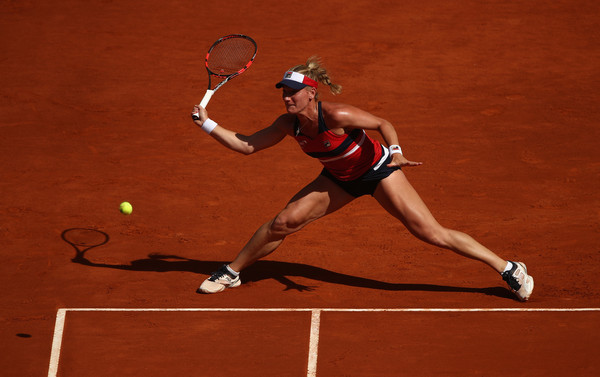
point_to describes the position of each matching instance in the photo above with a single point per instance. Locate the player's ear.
(312, 92)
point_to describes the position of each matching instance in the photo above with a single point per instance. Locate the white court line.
(330, 310)
(313, 346)
(59, 326)
(314, 327)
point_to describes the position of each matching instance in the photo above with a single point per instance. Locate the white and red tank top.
(346, 156)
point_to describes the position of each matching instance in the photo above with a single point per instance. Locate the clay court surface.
(498, 99)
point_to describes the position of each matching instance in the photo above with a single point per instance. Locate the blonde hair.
(317, 72)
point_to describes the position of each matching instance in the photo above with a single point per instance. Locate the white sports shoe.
(519, 281)
(219, 280)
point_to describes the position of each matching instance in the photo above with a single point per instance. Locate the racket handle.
(204, 102)
(206, 98)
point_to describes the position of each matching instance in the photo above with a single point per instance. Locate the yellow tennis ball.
(125, 208)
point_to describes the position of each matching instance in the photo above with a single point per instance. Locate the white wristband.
(209, 125)
(395, 149)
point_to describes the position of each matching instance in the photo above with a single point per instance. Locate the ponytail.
(317, 72)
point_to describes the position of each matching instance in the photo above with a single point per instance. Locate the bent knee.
(287, 222)
(434, 235)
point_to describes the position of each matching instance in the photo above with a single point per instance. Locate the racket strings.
(230, 56)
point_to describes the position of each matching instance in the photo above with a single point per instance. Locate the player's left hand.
(398, 160)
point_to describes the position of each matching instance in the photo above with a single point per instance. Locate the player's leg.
(317, 199)
(401, 200)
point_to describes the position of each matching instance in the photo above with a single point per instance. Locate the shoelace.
(217, 275)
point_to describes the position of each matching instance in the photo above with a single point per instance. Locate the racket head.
(230, 56)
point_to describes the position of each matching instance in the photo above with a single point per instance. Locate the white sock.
(509, 265)
(234, 273)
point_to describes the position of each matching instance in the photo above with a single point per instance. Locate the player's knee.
(286, 223)
(434, 235)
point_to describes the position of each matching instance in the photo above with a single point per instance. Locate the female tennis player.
(354, 165)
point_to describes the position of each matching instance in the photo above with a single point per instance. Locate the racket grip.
(206, 98)
(204, 102)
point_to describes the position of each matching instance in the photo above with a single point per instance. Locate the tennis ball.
(125, 208)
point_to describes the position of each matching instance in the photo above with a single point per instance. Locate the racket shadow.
(83, 240)
(282, 272)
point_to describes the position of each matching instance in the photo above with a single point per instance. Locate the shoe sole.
(212, 287)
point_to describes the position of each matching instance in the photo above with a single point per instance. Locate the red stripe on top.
(349, 167)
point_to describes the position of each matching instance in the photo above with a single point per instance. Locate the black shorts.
(366, 183)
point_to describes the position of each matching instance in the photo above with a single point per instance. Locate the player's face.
(296, 100)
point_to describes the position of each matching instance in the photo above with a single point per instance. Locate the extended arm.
(244, 144)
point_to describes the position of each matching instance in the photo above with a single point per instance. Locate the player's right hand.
(199, 115)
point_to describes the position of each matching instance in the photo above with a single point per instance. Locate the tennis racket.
(227, 58)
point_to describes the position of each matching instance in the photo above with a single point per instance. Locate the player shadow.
(282, 272)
